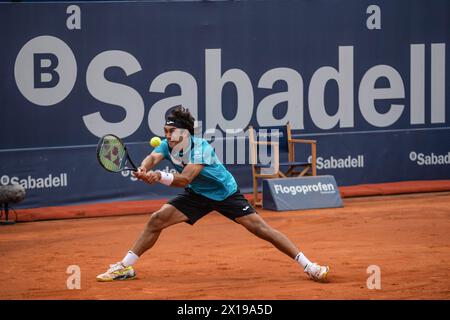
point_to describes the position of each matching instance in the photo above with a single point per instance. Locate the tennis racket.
(112, 154)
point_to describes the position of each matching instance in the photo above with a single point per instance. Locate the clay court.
(407, 236)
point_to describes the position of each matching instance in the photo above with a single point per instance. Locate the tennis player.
(208, 186)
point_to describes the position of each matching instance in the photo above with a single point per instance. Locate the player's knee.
(261, 230)
(156, 222)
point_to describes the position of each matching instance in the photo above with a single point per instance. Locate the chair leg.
(255, 191)
(282, 175)
(314, 159)
(304, 172)
(290, 172)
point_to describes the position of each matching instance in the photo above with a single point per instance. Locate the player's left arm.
(189, 173)
(181, 180)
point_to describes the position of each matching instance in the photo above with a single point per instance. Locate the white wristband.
(166, 178)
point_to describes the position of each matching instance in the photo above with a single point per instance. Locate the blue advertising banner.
(283, 194)
(367, 81)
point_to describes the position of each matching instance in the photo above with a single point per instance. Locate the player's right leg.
(256, 224)
(166, 216)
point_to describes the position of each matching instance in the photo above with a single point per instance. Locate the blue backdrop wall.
(367, 80)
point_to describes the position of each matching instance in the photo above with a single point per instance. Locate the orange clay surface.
(407, 236)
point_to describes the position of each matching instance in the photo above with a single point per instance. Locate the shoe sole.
(116, 279)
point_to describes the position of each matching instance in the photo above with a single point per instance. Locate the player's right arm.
(151, 161)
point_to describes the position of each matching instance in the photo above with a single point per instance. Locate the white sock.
(130, 259)
(302, 260)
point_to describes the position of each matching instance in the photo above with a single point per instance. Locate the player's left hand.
(139, 173)
(149, 176)
(153, 176)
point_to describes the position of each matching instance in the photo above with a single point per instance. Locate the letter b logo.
(40, 70)
(45, 70)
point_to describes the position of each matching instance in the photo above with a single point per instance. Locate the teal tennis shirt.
(214, 181)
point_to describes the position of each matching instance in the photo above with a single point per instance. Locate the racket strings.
(112, 153)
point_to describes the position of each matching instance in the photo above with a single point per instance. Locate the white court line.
(370, 131)
(238, 137)
(62, 147)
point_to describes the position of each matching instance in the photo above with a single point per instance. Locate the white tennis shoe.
(317, 272)
(117, 271)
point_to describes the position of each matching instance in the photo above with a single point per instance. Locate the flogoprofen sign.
(301, 193)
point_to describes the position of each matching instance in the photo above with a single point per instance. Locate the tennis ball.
(155, 141)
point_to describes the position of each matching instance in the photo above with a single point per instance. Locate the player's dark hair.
(182, 114)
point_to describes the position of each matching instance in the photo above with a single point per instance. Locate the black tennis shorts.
(196, 206)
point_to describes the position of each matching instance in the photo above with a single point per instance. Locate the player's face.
(173, 135)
